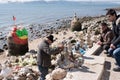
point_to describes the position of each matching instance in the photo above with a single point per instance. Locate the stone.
(75, 24)
(58, 74)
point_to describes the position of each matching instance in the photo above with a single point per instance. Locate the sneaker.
(117, 69)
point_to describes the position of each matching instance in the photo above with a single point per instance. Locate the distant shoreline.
(117, 8)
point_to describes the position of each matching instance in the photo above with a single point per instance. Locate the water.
(44, 12)
(41, 12)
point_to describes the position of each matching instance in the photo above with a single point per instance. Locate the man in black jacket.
(44, 55)
(115, 44)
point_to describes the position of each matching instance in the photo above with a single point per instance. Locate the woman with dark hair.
(106, 37)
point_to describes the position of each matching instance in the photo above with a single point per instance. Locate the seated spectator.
(115, 43)
(106, 37)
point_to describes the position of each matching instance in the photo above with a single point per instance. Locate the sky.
(53, 0)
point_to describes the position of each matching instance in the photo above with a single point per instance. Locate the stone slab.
(92, 69)
(93, 50)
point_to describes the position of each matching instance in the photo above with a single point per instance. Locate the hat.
(50, 37)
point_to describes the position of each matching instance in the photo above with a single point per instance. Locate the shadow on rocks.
(86, 69)
(81, 69)
(85, 57)
(99, 51)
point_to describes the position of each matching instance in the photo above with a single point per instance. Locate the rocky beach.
(61, 29)
(75, 24)
(25, 66)
(36, 31)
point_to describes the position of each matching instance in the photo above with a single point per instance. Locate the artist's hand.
(112, 46)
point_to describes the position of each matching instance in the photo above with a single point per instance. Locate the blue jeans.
(43, 71)
(111, 51)
(116, 54)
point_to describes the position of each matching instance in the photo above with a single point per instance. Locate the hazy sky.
(53, 0)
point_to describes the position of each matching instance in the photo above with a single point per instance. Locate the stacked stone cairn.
(17, 41)
(75, 24)
(68, 59)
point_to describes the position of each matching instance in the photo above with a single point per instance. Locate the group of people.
(110, 38)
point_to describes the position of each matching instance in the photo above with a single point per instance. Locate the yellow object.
(23, 37)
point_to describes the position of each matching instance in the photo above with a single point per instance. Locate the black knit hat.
(50, 37)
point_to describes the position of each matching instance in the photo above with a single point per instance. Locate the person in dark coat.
(106, 37)
(44, 55)
(115, 43)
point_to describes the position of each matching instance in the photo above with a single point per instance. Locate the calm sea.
(43, 12)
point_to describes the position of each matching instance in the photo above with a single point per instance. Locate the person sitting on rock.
(115, 44)
(106, 37)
